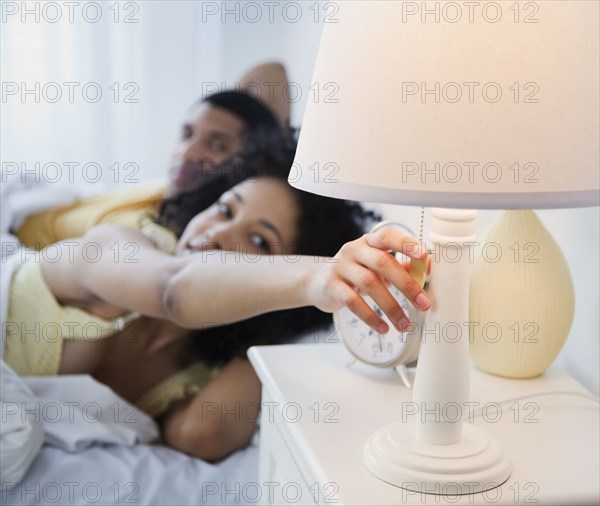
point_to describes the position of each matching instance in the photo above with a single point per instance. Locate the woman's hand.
(364, 267)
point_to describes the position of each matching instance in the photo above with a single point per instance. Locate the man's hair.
(250, 110)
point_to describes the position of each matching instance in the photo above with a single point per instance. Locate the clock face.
(387, 350)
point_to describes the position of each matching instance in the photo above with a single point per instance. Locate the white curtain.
(150, 60)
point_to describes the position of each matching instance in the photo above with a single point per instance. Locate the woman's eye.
(261, 242)
(224, 209)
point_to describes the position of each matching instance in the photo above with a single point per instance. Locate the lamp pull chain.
(421, 225)
(418, 268)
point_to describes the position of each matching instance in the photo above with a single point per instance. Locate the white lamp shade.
(497, 108)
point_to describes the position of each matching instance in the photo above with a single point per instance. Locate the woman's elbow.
(171, 300)
(207, 441)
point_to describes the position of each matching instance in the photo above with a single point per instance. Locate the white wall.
(174, 50)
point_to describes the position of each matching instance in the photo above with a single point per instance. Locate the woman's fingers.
(369, 283)
(386, 265)
(365, 267)
(388, 239)
(355, 303)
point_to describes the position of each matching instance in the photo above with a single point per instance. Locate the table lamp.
(457, 107)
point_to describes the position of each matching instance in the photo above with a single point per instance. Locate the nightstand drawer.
(283, 474)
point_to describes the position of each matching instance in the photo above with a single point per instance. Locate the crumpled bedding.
(71, 412)
(71, 440)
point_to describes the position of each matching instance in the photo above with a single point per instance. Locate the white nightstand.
(318, 411)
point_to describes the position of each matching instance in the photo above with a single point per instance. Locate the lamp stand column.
(434, 451)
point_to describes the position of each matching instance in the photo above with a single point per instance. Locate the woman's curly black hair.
(325, 224)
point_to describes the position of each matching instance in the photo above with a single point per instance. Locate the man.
(220, 126)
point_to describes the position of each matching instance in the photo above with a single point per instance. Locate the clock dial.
(373, 348)
(394, 348)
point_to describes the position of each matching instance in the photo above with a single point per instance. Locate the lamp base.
(475, 464)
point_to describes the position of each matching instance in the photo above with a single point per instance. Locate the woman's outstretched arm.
(242, 289)
(115, 269)
(118, 269)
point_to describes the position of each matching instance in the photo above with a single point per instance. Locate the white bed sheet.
(99, 459)
(143, 474)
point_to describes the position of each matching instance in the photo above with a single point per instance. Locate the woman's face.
(254, 217)
(210, 136)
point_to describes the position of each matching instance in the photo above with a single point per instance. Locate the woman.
(235, 260)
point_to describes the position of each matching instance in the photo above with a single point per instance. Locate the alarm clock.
(394, 349)
(367, 345)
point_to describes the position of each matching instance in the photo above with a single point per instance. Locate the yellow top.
(37, 325)
(127, 207)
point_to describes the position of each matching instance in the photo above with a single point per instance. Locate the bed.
(148, 474)
(86, 445)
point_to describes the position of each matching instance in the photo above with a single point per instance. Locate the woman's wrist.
(307, 286)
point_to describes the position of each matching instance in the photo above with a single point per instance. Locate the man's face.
(210, 136)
